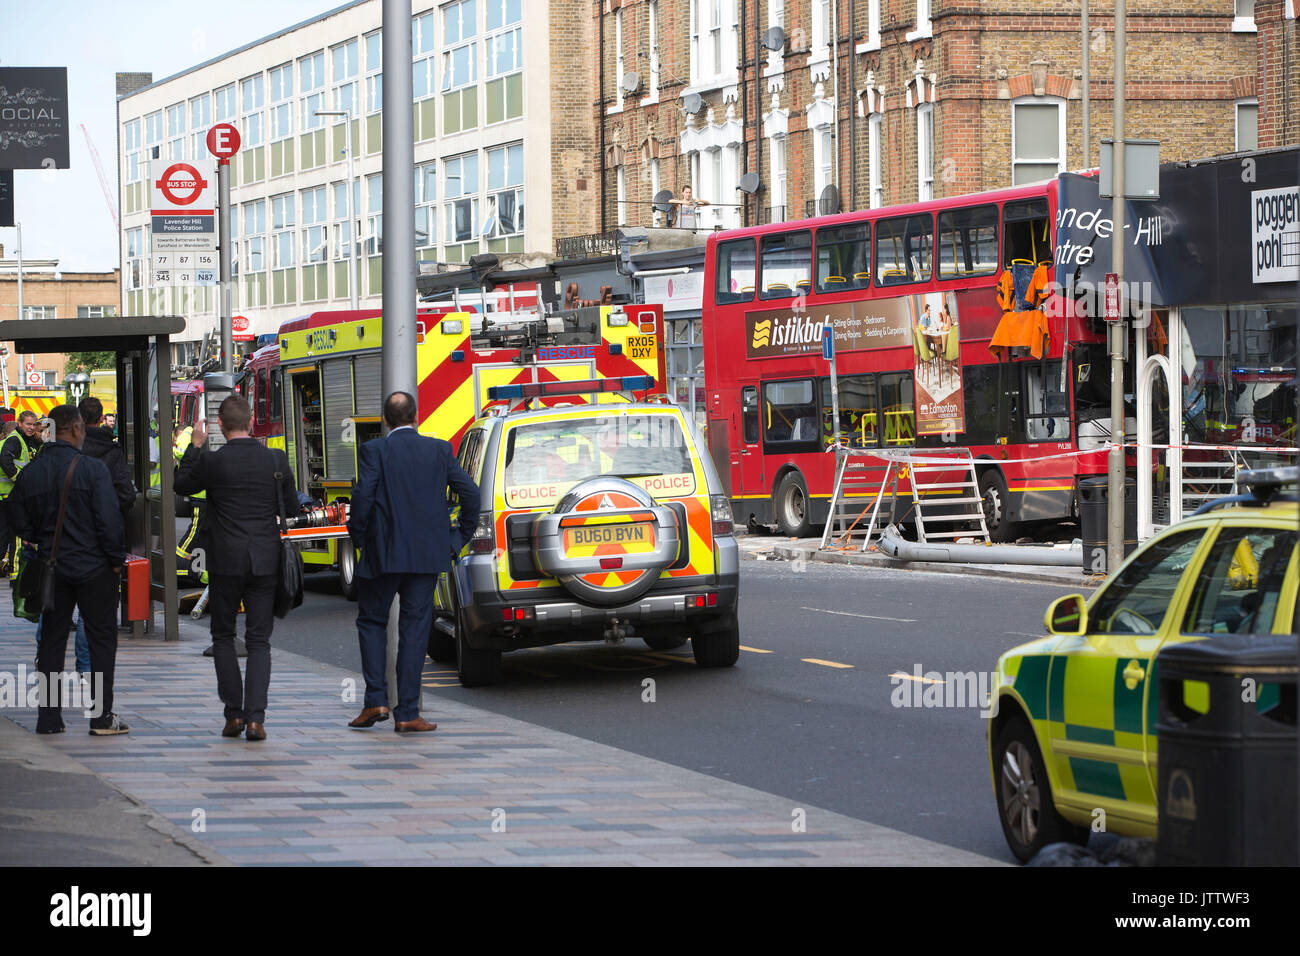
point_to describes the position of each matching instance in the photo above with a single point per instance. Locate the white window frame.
(620, 63)
(252, 116)
(778, 157)
(875, 179)
(200, 113)
(1060, 136)
(426, 205)
(132, 148)
(312, 82)
(925, 152)
(1243, 23)
(466, 36)
(453, 169)
(255, 238)
(652, 81)
(924, 28)
(374, 240)
(345, 86)
(713, 54)
(225, 106)
(176, 132)
(284, 221)
(823, 159)
(314, 202)
(872, 42)
(282, 105)
(1236, 122)
(344, 215)
(513, 184)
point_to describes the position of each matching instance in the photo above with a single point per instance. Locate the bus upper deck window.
(844, 257)
(787, 265)
(968, 242)
(903, 249)
(734, 280)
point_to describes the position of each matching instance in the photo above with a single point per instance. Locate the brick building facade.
(920, 98)
(51, 294)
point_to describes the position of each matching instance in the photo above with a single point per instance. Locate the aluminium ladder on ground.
(944, 509)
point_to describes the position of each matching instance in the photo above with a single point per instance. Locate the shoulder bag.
(288, 594)
(37, 588)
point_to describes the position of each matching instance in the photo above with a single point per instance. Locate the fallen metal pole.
(894, 545)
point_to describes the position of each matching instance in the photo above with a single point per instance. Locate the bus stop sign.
(1111, 313)
(828, 343)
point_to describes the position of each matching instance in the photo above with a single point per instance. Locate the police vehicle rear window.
(546, 459)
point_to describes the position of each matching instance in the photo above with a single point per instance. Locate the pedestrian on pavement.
(88, 562)
(247, 484)
(400, 520)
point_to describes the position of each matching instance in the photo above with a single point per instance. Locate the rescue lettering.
(557, 353)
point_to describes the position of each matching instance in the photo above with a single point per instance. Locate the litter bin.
(1226, 728)
(1094, 497)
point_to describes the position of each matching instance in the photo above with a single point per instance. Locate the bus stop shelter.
(143, 364)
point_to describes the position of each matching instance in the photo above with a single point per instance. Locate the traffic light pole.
(1117, 330)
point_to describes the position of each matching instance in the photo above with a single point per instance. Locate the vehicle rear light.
(617, 319)
(723, 523)
(484, 539)
(610, 564)
(513, 614)
(713, 600)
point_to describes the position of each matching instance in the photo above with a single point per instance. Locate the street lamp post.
(352, 239)
(77, 383)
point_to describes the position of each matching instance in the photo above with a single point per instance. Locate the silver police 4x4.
(599, 521)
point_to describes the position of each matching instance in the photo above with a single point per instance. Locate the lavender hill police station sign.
(33, 117)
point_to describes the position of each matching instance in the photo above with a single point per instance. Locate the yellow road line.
(922, 680)
(874, 617)
(754, 650)
(814, 660)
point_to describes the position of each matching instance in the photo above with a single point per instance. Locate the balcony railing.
(773, 214)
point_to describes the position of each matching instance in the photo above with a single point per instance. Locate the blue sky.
(63, 212)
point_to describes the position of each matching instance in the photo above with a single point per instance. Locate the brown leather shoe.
(369, 717)
(234, 727)
(417, 726)
(255, 731)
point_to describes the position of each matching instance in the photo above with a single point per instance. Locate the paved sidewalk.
(483, 789)
(809, 549)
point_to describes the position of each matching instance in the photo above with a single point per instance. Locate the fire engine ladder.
(943, 509)
(855, 487)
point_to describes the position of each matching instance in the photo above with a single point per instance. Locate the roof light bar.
(626, 383)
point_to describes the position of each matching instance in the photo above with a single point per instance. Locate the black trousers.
(96, 597)
(245, 699)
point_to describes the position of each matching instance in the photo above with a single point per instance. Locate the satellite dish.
(750, 183)
(828, 203)
(631, 82)
(663, 200)
(693, 103)
(774, 39)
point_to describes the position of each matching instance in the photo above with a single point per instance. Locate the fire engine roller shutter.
(336, 382)
(368, 373)
(292, 422)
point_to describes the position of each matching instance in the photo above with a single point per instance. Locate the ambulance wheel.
(792, 506)
(993, 489)
(347, 570)
(475, 668)
(663, 640)
(1024, 794)
(719, 644)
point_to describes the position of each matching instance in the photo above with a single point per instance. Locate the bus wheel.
(792, 506)
(347, 569)
(993, 489)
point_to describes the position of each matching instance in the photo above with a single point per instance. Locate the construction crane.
(103, 181)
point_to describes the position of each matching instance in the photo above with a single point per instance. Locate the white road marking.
(873, 617)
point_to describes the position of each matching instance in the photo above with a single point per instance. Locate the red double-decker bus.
(915, 296)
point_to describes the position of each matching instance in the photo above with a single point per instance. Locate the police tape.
(891, 454)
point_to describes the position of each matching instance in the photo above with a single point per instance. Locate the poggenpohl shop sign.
(856, 325)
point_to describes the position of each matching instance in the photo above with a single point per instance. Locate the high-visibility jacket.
(21, 461)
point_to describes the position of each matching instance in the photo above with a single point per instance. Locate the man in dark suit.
(400, 521)
(246, 484)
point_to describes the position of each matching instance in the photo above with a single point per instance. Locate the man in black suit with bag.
(248, 486)
(400, 521)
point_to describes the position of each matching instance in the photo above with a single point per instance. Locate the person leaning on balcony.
(688, 209)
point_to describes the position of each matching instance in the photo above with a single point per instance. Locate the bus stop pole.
(1117, 330)
(226, 293)
(167, 501)
(398, 322)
